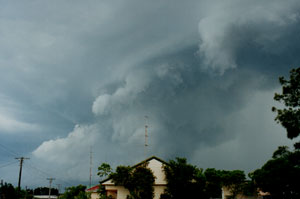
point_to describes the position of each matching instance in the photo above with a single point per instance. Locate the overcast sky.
(81, 75)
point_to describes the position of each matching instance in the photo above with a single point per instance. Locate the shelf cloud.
(83, 76)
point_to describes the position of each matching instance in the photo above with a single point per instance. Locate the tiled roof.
(93, 189)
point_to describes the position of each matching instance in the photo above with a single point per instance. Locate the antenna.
(91, 162)
(146, 135)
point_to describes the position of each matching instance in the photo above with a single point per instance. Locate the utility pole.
(21, 159)
(50, 182)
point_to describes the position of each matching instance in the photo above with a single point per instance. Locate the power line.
(44, 174)
(9, 150)
(37, 174)
(7, 164)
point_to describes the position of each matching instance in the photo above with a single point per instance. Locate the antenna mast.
(91, 162)
(146, 135)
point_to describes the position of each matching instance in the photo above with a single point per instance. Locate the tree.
(75, 192)
(234, 181)
(289, 117)
(26, 194)
(213, 186)
(7, 191)
(141, 185)
(122, 176)
(280, 175)
(183, 180)
(104, 170)
(138, 180)
(45, 191)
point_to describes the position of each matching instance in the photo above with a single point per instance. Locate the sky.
(79, 77)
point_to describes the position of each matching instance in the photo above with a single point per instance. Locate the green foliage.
(26, 194)
(82, 195)
(280, 175)
(139, 181)
(188, 181)
(234, 181)
(104, 170)
(142, 183)
(282, 151)
(213, 187)
(249, 188)
(75, 192)
(7, 191)
(183, 180)
(289, 117)
(45, 191)
(122, 175)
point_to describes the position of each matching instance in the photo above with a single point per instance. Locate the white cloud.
(101, 104)
(134, 84)
(70, 154)
(11, 125)
(72, 145)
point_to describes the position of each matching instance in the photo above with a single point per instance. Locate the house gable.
(155, 164)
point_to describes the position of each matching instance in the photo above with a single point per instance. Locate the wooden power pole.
(21, 159)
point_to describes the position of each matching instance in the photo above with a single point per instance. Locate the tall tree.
(234, 181)
(7, 191)
(213, 186)
(280, 175)
(289, 117)
(104, 170)
(138, 180)
(183, 180)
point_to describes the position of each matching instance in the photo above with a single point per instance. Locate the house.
(44, 197)
(93, 191)
(226, 193)
(119, 192)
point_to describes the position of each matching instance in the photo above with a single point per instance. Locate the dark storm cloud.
(86, 74)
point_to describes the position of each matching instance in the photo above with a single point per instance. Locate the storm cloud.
(84, 75)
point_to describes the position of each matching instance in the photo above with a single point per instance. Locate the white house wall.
(159, 184)
(158, 190)
(157, 169)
